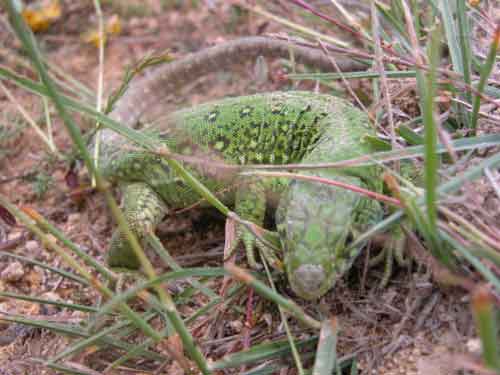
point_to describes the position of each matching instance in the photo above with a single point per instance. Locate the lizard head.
(314, 221)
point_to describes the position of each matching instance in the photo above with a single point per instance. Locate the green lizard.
(314, 221)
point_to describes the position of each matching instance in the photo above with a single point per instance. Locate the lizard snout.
(308, 280)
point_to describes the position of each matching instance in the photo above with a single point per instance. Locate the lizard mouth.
(309, 281)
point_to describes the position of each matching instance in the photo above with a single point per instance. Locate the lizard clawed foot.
(265, 241)
(393, 249)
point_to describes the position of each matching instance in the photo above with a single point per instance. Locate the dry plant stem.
(292, 25)
(284, 320)
(64, 81)
(290, 306)
(234, 168)
(28, 118)
(485, 22)
(491, 178)
(48, 121)
(454, 78)
(468, 363)
(489, 229)
(412, 34)
(483, 237)
(445, 139)
(368, 193)
(12, 244)
(100, 78)
(17, 177)
(351, 19)
(482, 114)
(411, 85)
(332, 20)
(345, 81)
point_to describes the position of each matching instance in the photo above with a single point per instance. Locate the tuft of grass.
(41, 183)
(11, 127)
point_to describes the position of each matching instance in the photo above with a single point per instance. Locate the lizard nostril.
(310, 277)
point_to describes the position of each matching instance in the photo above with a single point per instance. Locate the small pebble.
(14, 272)
(32, 246)
(74, 218)
(474, 345)
(51, 239)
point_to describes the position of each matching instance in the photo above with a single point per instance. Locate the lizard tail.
(167, 79)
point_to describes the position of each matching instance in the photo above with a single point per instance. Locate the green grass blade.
(174, 275)
(136, 136)
(447, 11)
(170, 261)
(61, 304)
(265, 369)
(96, 338)
(135, 351)
(28, 41)
(326, 354)
(90, 279)
(74, 330)
(462, 144)
(260, 352)
(354, 368)
(149, 143)
(446, 188)
(394, 19)
(472, 259)
(46, 225)
(58, 271)
(63, 368)
(485, 73)
(431, 161)
(465, 48)
(409, 135)
(351, 75)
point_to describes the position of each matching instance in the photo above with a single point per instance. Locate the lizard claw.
(393, 250)
(252, 243)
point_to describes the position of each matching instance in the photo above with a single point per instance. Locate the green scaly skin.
(313, 220)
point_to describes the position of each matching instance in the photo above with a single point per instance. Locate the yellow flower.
(40, 18)
(113, 27)
(94, 37)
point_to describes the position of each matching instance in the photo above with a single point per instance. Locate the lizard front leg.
(250, 205)
(143, 210)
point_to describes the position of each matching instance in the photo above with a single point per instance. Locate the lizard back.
(269, 128)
